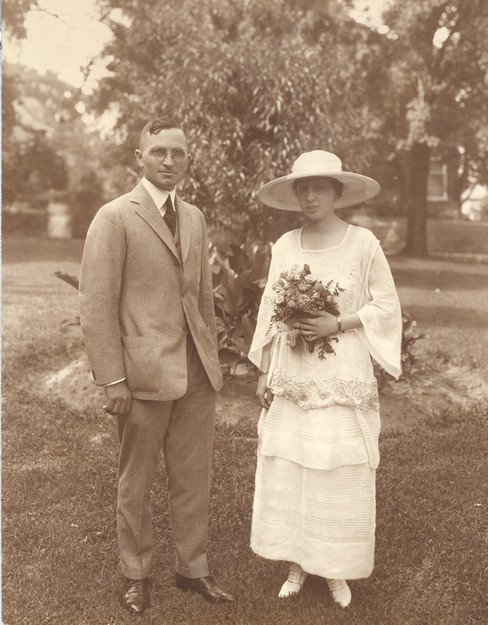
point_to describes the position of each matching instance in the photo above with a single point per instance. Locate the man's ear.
(138, 155)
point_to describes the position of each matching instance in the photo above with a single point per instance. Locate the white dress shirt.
(159, 195)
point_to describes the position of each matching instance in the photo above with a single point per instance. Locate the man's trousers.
(183, 429)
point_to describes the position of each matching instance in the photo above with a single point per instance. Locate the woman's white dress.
(314, 501)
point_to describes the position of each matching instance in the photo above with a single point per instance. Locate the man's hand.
(119, 399)
(263, 394)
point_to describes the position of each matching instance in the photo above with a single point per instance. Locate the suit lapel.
(147, 210)
(184, 227)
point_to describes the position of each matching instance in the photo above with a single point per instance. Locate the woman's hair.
(336, 184)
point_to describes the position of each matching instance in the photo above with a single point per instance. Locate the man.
(148, 322)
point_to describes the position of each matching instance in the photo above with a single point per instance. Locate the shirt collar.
(159, 195)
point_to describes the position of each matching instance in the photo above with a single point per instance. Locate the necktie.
(170, 216)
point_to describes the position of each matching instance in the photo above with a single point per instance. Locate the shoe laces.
(135, 586)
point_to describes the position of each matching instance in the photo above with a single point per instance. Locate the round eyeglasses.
(177, 155)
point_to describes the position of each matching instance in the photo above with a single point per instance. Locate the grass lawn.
(60, 561)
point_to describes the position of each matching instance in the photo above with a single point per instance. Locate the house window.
(437, 183)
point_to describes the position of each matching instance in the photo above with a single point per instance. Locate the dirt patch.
(429, 392)
(403, 403)
(237, 402)
(73, 384)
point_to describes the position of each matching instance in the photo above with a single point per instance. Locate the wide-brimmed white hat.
(357, 188)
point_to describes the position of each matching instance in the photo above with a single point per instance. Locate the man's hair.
(155, 126)
(336, 184)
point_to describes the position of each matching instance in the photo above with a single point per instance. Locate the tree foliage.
(255, 83)
(14, 13)
(46, 147)
(433, 96)
(32, 164)
(31, 169)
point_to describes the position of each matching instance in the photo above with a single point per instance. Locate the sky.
(60, 44)
(63, 44)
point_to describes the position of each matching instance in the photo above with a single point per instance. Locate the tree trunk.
(461, 182)
(417, 163)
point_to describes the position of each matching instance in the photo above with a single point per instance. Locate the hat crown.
(317, 161)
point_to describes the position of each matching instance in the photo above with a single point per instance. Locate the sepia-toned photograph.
(244, 312)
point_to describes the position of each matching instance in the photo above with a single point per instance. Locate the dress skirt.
(314, 501)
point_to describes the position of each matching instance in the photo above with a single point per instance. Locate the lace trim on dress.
(310, 394)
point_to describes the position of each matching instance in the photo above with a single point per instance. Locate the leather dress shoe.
(207, 587)
(135, 595)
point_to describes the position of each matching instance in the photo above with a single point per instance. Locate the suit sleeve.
(100, 283)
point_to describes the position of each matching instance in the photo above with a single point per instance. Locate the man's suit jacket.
(141, 293)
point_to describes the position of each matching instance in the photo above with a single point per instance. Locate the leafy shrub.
(410, 336)
(239, 274)
(85, 201)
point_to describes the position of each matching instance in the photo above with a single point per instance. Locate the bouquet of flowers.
(297, 294)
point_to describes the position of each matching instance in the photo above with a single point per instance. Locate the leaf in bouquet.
(331, 307)
(326, 346)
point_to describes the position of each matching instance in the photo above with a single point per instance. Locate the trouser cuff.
(193, 573)
(135, 573)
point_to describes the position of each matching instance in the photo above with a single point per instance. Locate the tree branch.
(38, 9)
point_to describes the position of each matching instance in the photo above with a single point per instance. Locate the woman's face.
(316, 197)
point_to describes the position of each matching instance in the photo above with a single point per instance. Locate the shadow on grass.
(431, 279)
(17, 249)
(447, 316)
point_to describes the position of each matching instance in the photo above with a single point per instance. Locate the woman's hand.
(263, 394)
(322, 324)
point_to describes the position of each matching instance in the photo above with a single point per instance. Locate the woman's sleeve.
(265, 330)
(381, 316)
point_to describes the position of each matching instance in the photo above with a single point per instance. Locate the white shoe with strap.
(340, 591)
(295, 581)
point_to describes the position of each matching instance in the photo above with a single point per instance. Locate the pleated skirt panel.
(322, 516)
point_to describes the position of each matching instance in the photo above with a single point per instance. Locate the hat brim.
(357, 188)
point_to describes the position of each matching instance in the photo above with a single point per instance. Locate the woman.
(314, 503)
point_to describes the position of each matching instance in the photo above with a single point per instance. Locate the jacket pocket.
(142, 363)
